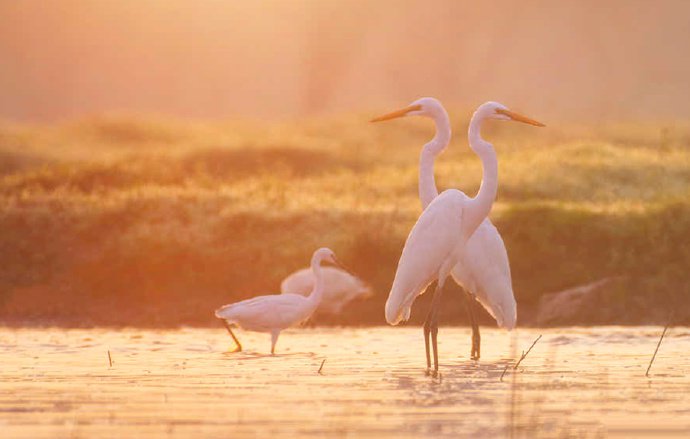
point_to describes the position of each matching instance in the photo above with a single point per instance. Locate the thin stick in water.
(657, 347)
(524, 354)
(110, 359)
(504, 371)
(321, 367)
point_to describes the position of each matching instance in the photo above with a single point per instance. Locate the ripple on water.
(183, 383)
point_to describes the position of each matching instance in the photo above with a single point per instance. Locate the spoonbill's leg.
(476, 338)
(274, 339)
(238, 348)
(431, 324)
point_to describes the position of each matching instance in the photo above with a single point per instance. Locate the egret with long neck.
(274, 313)
(484, 272)
(438, 241)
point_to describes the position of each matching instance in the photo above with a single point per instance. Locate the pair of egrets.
(452, 237)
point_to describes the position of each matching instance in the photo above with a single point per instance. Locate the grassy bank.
(149, 221)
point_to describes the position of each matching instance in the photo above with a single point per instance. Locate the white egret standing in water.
(438, 240)
(339, 287)
(274, 313)
(484, 271)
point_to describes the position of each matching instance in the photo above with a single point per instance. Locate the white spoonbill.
(339, 287)
(438, 240)
(484, 270)
(274, 313)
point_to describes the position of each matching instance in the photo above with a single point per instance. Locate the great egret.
(274, 313)
(438, 240)
(339, 287)
(484, 271)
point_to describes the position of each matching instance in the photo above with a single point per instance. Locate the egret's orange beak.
(399, 113)
(343, 267)
(519, 117)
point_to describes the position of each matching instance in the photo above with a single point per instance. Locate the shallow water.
(575, 383)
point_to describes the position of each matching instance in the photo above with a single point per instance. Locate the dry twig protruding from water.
(504, 371)
(658, 344)
(110, 359)
(524, 354)
(321, 367)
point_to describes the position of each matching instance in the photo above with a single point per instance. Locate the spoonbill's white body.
(339, 287)
(438, 242)
(273, 313)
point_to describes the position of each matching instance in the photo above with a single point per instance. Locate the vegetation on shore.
(149, 221)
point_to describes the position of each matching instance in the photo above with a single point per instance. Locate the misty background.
(577, 60)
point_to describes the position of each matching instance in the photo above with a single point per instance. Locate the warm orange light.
(398, 113)
(520, 118)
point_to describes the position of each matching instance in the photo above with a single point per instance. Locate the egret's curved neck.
(315, 296)
(480, 205)
(427, 183)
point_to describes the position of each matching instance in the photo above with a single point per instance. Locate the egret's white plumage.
(430, 252)
(273, 313)
(339, 287)
(438, 241)
(484, 270)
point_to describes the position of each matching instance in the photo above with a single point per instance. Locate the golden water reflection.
(576, 382)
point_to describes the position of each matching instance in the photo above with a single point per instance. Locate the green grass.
(151, 221)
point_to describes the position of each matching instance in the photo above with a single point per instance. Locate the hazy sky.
(268, 59)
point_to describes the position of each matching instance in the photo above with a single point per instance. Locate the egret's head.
(325, 254)
(429, 107)
(495, 110)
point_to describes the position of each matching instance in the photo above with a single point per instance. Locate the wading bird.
(484, 271)
(274, 313)
(438, 240)
(339, 287)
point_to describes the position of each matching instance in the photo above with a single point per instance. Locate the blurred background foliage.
(120, 220)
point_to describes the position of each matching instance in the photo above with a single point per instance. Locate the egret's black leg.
(274, 339)
(237, 342)
(431, 327)
(426, 342)
(427, 330)
(476, 337)
(434, 342)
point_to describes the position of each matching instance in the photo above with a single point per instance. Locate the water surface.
(576, 382)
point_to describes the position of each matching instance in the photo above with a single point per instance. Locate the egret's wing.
(487, 260)
(300, 282)
(275, 311)
(494, 254)
(431, 242)
(340, 287)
